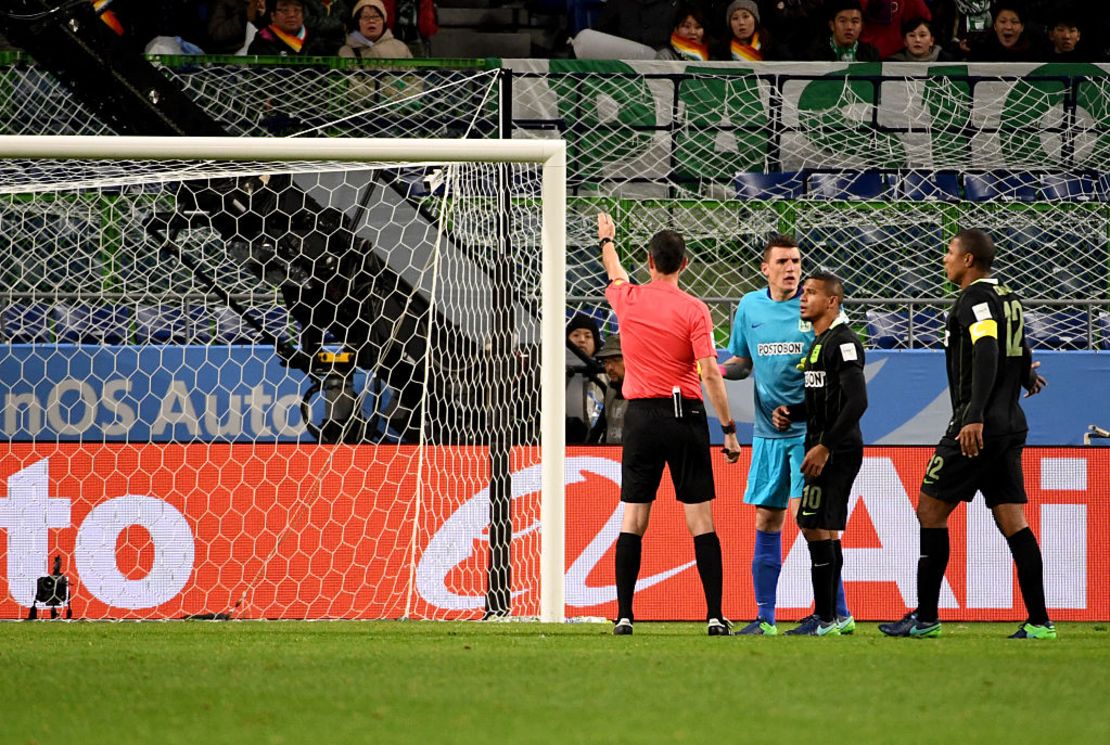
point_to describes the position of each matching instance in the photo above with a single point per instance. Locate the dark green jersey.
(988, 359)
(836, 392)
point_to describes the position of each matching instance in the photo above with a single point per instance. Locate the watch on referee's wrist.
(728, 428)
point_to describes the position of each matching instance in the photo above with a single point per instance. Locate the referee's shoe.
(719, 627)
(623, 627)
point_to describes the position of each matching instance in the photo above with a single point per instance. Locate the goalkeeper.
(768, 339)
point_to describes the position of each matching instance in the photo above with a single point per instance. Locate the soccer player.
(768, 338)
(666, 336)
(988, 362)
(835, 399)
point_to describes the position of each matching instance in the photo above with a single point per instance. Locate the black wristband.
(729, 429)
(601, 243)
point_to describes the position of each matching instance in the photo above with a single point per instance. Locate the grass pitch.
(205, 683)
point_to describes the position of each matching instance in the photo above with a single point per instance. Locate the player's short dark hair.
(834, 285)
(977, 243)
(836, 7)
(911, 24)
(779, 240)
(668, 250)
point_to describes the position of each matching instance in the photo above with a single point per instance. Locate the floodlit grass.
(203, 683)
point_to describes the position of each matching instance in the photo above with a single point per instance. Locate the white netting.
(872, 166)
(872, 169)
(272, 389)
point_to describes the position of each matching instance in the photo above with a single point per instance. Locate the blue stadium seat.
(82, 324)
(786, 185)
(926, 186)
(1006, 186)
(846, 185)
(218, 325)
(890, 329)
(161, 324)
(1102, 329)
(1057, 329)
(275, 321)
(26, 324)
(1070, 188)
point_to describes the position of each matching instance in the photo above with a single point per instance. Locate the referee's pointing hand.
(605, 227)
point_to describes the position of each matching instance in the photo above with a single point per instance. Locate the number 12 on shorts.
(932, 472)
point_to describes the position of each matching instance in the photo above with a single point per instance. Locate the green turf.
(204, 683)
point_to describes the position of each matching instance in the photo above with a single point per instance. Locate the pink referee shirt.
(664, 332)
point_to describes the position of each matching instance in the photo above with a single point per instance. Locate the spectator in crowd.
(920, 43)
(843, 43)
(1007, 40)
(370, 37)
(327, 22)
(284, 34)
(793, 25)
(585, 389)
(687, 37)
(883, 19)
(955, 22)
(747, 41)
(231, 25)
(610, 425)
(648, 22)
(414, 22)
(1065, 38)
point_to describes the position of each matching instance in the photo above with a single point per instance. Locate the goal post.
(452, 206)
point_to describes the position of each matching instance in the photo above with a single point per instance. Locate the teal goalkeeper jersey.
(774, 337)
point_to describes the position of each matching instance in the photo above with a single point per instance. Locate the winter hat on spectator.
(748, 5)
(373, 4)
(611, 348)
(582, 321)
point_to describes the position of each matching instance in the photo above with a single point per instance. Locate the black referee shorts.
(996, 472)
(653, 437)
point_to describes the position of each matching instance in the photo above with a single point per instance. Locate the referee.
(666, 337)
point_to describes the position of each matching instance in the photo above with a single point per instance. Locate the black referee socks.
(930, 572)
(629, 546)
(1030, 571)
(707, 551)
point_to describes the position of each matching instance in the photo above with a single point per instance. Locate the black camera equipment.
(51, 591)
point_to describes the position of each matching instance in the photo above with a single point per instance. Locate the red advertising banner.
(291, 531)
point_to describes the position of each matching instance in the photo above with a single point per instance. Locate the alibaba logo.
(454, 543)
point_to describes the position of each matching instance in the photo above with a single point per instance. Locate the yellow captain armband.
(979, 329)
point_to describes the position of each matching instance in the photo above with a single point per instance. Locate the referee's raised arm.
(666, 337)
(606, 235)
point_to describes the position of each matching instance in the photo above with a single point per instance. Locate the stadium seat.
(26, 324)
(846, 185)
(926, 186)
(1102, 329)
(785, 185)
(1062, 329)
(1004, 186)
(890, 329)
(161, 324)
(82, 324)
(1069, 188)
(218, 325)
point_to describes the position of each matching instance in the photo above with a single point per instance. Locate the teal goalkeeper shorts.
(776, 471)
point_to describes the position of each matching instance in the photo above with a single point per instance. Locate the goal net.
(311, 384)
